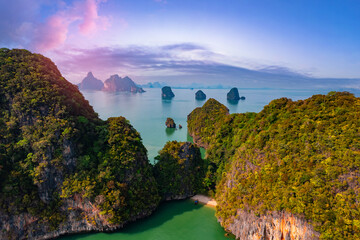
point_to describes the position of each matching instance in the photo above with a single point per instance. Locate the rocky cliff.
(118, 84)
(273, 225)
(62, 169)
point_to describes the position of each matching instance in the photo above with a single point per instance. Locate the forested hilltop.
(62, 169)
(290, 171)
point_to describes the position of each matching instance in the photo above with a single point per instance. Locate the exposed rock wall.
(272, 226)
(82, 216)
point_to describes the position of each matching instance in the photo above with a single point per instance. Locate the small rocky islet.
(170, 123)
(200, 95)
(167, 93)
(233, 95)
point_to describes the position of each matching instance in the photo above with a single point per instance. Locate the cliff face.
(82, 216)
(62, 169)
(118, 84)
(273, 225)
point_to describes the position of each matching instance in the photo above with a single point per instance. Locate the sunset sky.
(150, 39)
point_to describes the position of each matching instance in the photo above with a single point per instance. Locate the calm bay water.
(176, 220)
(147, 112)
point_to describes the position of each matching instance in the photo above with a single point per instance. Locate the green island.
(293, 158)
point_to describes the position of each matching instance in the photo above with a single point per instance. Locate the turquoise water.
(176, 220)
(147, 112)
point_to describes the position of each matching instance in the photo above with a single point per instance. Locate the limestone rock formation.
(170, 123)
(90, 83)
(179, 170)
(62, 169)
(200, 95)
(167, 93)
(118, 84)
(287, 175)
(274, 225)
(233, 95)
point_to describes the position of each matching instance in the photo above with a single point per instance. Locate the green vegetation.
(179, 170)
(302, 157)
(54, 149)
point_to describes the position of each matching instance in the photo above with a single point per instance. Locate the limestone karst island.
(172, 120)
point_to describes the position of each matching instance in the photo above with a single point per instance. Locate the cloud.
(168, 64)
(141, 60)
(161, 1)
(54, 32)
(16, 21)
(183, 47)
(91, 20)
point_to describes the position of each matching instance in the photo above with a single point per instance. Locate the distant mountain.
(118, 84)
(90, 83)
(153, 85)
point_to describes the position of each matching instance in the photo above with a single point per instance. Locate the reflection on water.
(233, 102)
(176, 220)
(170, 131)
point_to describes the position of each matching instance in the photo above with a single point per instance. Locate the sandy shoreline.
(204, 200)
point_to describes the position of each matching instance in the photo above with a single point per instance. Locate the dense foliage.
(179, 170)
(54, 148)
(301, 157)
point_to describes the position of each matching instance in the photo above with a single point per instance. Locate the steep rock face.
(274, 225)
(200, 95)
(167, 93)
(170, 123)
(179, 170)
(91, 83)
(233, 95)
(118, 84)
(62, 169)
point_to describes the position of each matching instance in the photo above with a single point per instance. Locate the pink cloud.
(53, 33)
(91, 20)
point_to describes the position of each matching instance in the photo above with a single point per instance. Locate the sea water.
(147, 112)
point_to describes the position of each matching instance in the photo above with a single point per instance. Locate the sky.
(188, 40)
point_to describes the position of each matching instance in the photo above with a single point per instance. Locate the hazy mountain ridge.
(113, 84)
